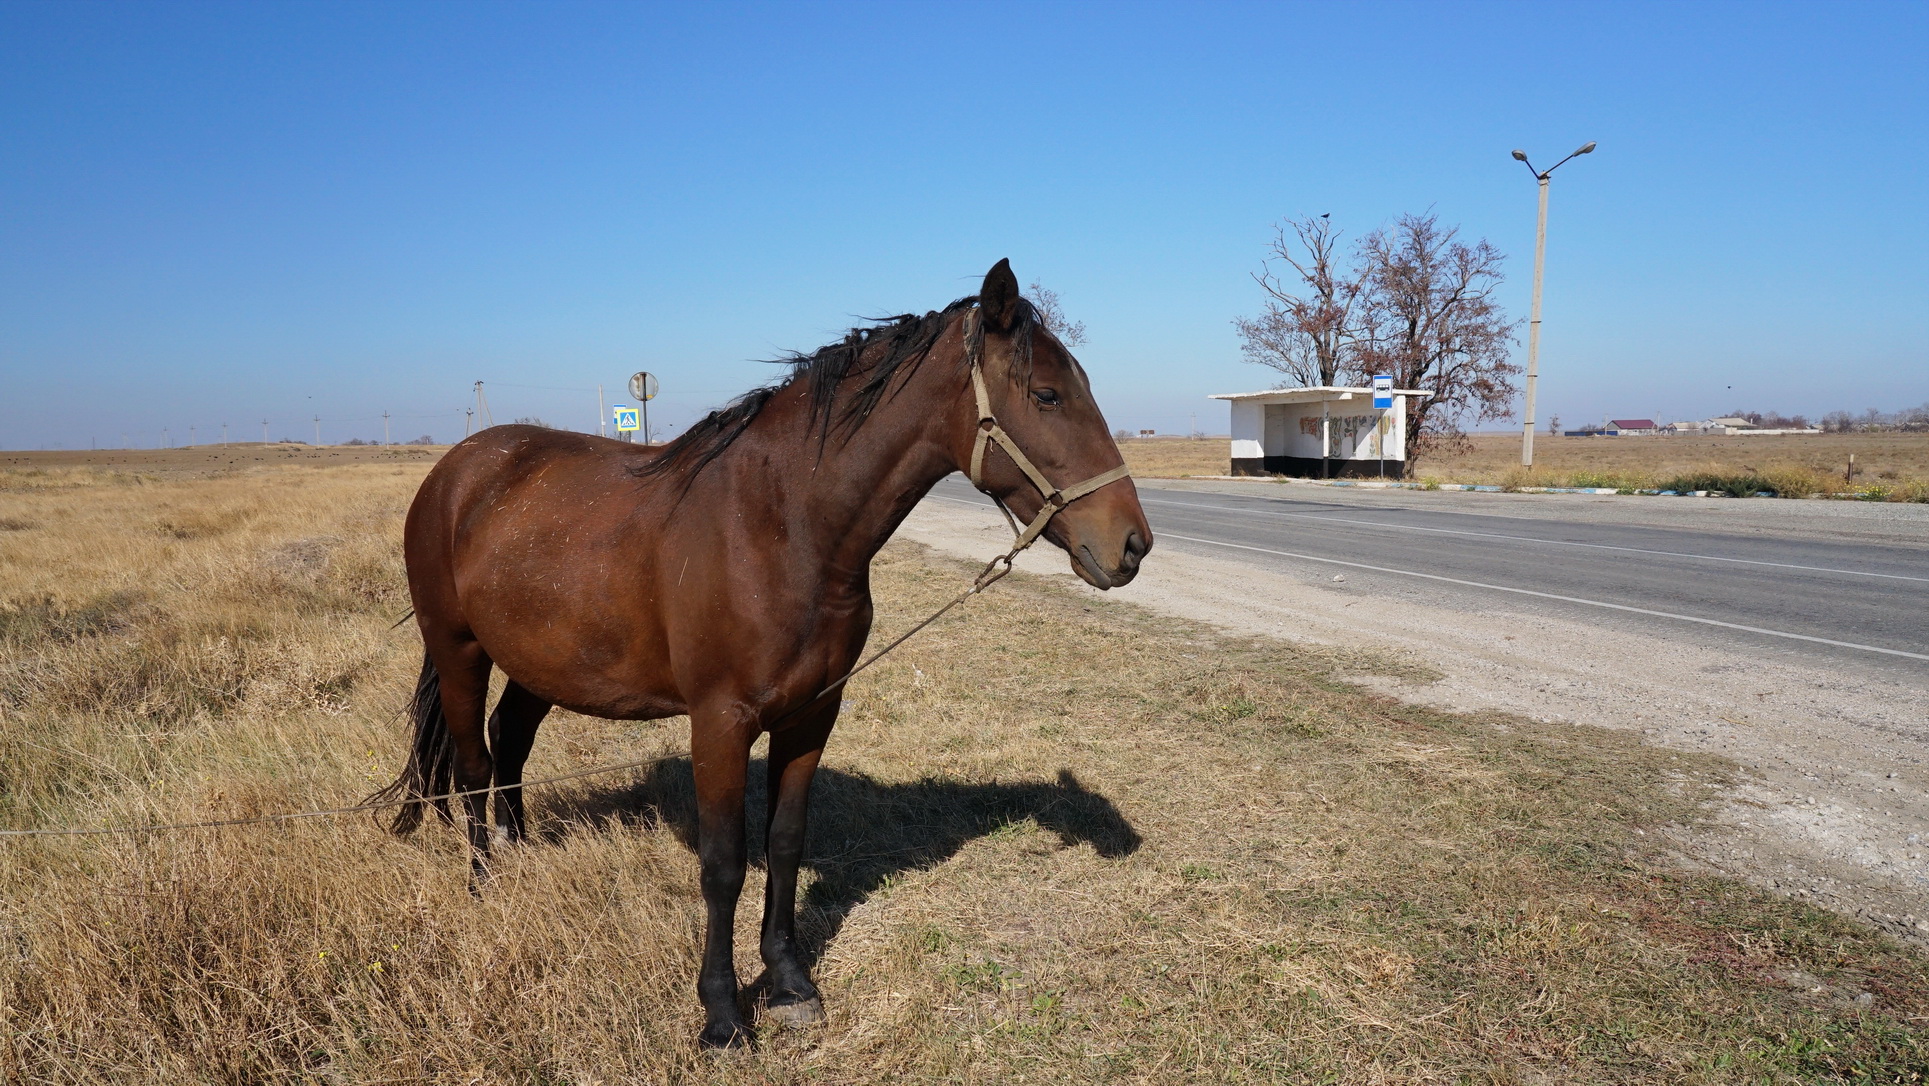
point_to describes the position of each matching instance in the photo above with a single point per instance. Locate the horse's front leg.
(794, 753)
(720, 758)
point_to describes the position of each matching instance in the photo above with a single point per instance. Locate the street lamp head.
(1520, 156)
(1587, 148)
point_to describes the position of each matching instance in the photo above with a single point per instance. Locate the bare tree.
(1430, 320)
(1308, 330)
(1069, 332)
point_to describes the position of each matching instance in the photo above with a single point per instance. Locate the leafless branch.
(1069, 332)
(1307, 329)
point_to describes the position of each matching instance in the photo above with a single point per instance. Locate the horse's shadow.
(863, 832)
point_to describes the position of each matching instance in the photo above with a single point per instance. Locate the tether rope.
(994, 571)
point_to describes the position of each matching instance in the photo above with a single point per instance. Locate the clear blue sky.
(216, 213)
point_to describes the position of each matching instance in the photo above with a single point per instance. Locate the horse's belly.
(579, 659)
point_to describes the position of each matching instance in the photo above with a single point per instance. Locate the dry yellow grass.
(1888, 466)
(1174, 458)
(1054, 841)
(16, 468)
(1879, 457)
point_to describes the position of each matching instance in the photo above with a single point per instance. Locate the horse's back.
(496, 499)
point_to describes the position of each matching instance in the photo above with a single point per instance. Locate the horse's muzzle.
(1094, 573)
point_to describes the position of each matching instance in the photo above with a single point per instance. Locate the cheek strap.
(1056, 498)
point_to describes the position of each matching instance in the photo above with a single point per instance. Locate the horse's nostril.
(1135, 549)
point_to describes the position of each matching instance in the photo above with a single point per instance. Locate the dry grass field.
(21, 469)
(1893, 467)
(1055, 841)
(1175, 457)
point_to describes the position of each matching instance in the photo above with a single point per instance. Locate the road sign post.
(643, 386)
(1382, 402)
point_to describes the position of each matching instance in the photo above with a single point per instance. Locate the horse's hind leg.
(794, 753)
(512, 731)
(464, 668)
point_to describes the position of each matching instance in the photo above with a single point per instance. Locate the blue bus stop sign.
(1382, 391)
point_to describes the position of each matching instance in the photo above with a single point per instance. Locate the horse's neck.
(851, 493)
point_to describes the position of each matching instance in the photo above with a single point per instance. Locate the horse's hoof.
(723, 1037)
(803, 1012)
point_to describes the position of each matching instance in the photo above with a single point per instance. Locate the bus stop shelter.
(1322, 432)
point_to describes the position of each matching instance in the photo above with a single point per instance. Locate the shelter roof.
(1312, 394)
(1634, 424)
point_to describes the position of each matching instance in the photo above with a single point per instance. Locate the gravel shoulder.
(1833, 801)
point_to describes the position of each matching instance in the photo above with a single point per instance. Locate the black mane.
(874, 355)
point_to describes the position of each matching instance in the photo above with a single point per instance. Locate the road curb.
(1490, 488)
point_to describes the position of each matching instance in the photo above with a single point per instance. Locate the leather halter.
(1056, 498)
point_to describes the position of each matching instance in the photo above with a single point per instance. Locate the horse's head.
(1039, 396)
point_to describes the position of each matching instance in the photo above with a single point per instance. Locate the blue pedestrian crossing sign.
(1382, 391)
(626, 419)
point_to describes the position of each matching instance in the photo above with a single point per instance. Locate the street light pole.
(1534, 333)
(1534, 318)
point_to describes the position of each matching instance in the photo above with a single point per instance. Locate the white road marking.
(1526, 539)
(1552, 596)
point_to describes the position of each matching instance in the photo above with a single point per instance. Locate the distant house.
(1634, 426)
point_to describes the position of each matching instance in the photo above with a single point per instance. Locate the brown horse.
(727, 576)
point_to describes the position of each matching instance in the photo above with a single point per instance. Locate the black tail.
(431, 768)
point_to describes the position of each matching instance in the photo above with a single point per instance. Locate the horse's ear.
(998, 298)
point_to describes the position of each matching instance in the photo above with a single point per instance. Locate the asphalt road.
(1789, 593)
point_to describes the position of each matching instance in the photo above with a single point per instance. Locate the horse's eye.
(1046, 397)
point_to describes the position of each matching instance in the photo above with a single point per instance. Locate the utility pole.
(318, 431)
(385, 429)
(163, 437)
(602, 425)
(469, 422)
(264, 431)
(1534, 319)
(190, 435)
(482, 405)
(224, 433)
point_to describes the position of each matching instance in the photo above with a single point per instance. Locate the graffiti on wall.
(1346, 427)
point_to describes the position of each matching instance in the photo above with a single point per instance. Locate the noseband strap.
(1056, 498)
